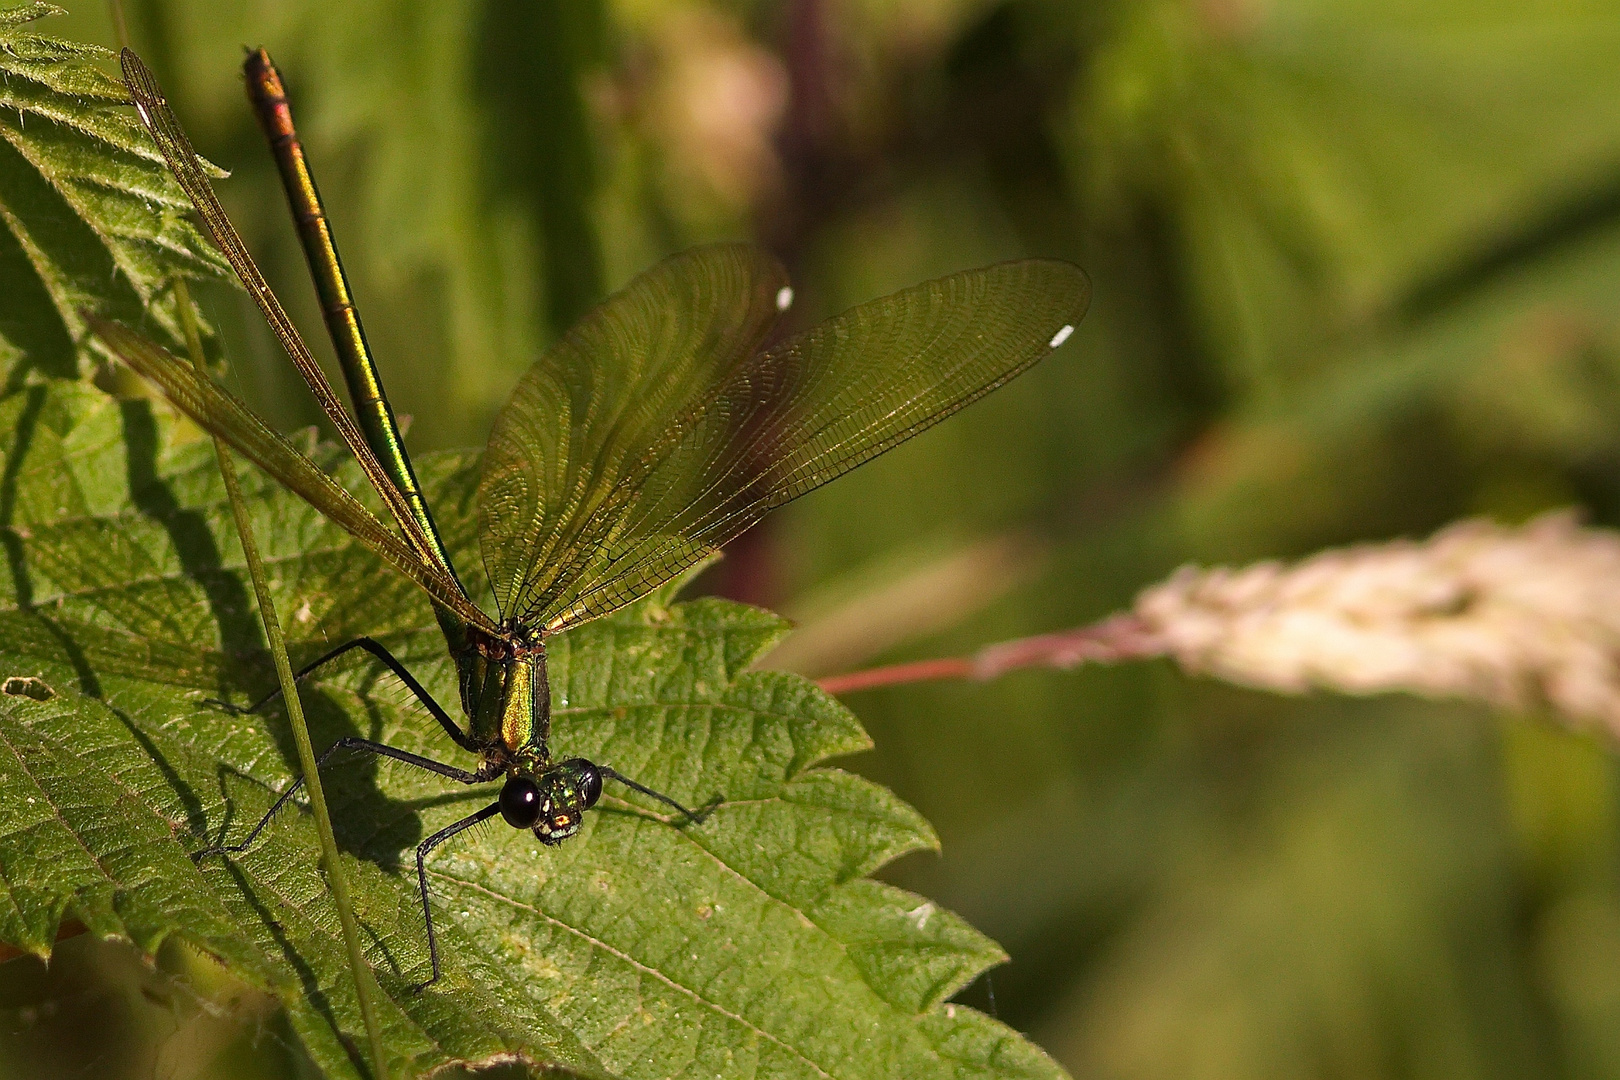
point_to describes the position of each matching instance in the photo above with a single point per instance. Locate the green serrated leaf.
(92, 809)
(91, 218)
(750, 945)
(60, 791)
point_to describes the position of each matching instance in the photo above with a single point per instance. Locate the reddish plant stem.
(1111, 641)
(951, 667)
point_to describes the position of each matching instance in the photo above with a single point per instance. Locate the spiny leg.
(378, 650)
(421, 877)
(353, 742)
(696, 817)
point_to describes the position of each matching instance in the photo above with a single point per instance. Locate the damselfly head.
(552, 802)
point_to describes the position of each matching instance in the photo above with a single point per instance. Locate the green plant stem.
(363, 980)
(120, 24)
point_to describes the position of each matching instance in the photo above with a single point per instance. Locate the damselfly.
(659, 427)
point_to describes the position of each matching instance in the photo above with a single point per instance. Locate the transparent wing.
(223, 415)
(767, 427)
(592, 418)
(183, 162)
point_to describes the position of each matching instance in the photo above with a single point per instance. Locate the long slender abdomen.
(372, 411)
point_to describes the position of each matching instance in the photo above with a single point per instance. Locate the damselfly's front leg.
(421, 879)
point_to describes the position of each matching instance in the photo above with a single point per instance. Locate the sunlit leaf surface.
(751, 945)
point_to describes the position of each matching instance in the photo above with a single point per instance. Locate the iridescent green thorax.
(507, 697)
(508, 700)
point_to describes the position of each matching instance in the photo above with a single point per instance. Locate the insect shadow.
(367, 821)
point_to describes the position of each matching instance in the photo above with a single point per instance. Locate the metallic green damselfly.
(659, 427)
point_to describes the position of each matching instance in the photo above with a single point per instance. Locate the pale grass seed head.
(1519, 617)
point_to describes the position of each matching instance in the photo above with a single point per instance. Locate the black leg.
(694, 816)
(355, 743)
(376, 648)
(421, 877)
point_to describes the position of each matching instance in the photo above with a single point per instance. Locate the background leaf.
(91, 217)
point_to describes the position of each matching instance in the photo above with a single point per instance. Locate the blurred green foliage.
(1357, 272)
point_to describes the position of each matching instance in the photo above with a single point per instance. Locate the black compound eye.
(520, 803)
(590, 781)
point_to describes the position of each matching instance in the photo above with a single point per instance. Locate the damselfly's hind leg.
(378, 650)
(483, 775)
